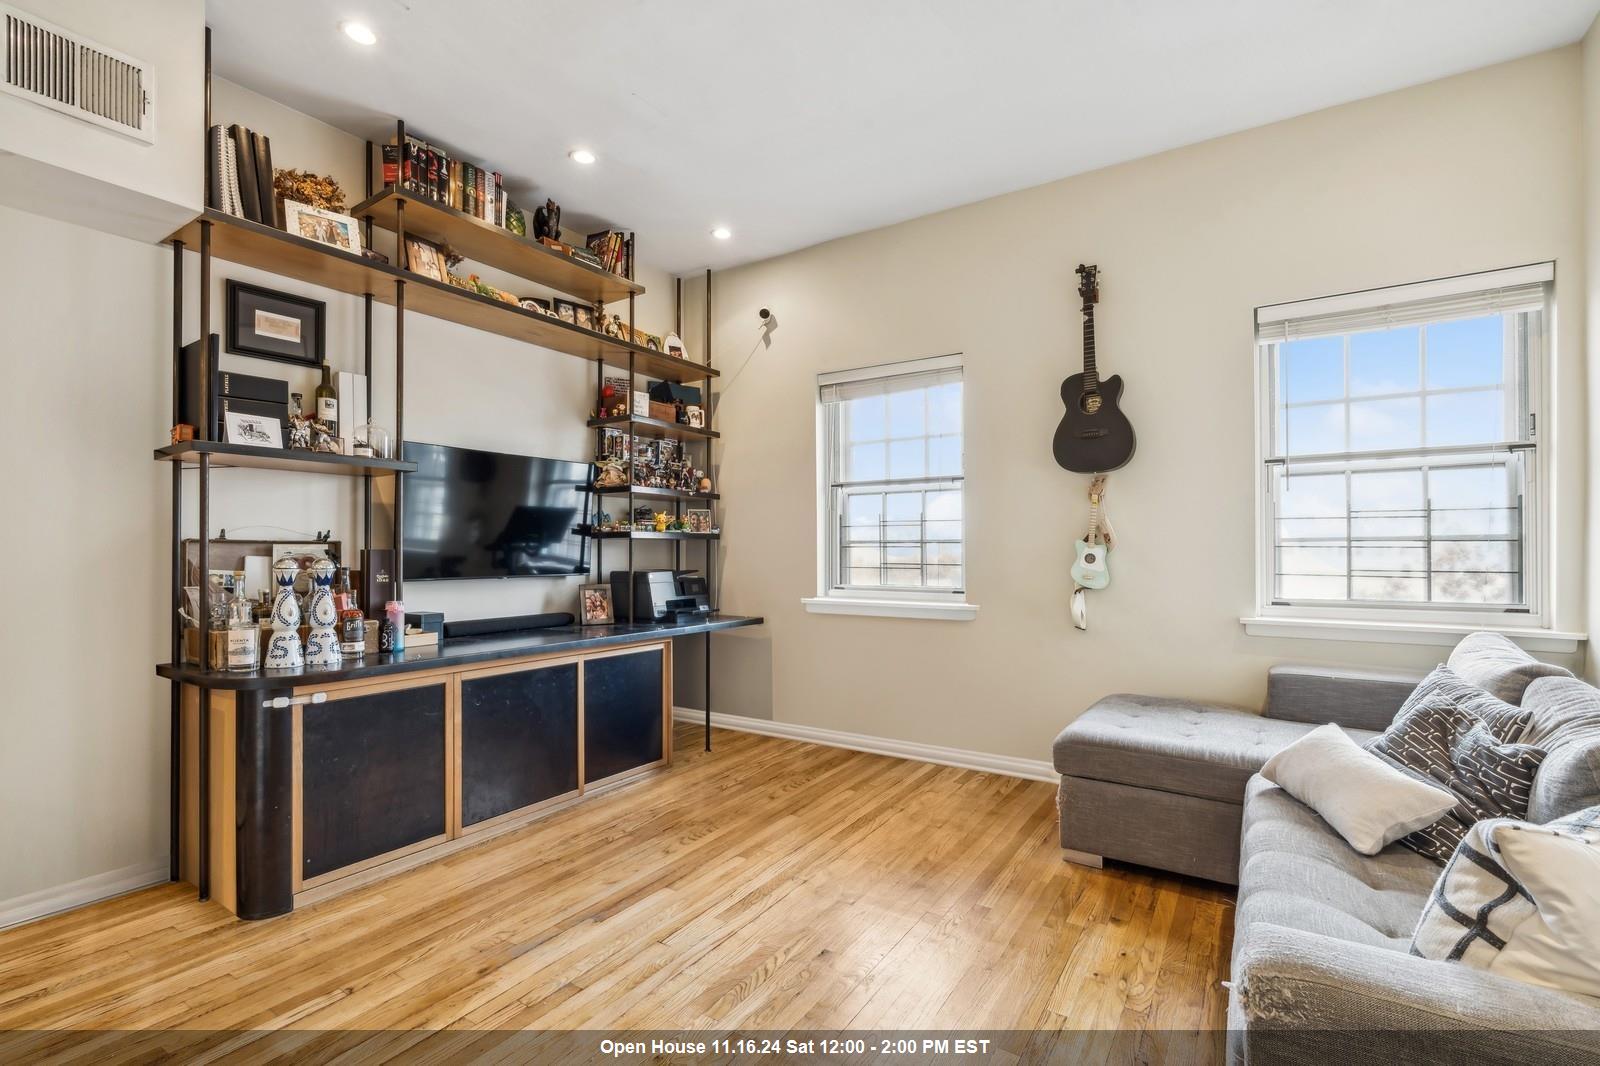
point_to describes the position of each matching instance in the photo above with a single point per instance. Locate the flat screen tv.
(472, 514)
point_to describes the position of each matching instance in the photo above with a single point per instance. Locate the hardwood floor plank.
(768, 885)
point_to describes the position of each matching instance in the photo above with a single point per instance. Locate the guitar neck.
(1091, 375)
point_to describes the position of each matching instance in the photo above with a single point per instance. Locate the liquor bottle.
(244, 636)
(352, 623)
(328, 401)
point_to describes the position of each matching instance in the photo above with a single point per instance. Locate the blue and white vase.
(322, 645)
(283, 650)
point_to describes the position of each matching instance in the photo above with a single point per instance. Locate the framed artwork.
(699, 521)
(324, 227)
(647, 340)
(583, 315)
(594, 606)
(427, 259)
(275, 325)
(534, 303)
(567, 311)
(258, 431)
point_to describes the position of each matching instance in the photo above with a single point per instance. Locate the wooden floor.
(771, 885)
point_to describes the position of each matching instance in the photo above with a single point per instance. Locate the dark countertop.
(457, 651)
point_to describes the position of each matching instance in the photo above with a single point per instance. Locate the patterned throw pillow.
(1457, 735)
(1517, 899)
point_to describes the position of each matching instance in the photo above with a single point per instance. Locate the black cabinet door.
(372, 775)
(621, 713)
(519, 739)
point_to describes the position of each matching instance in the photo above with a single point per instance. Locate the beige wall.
(1471, 173)
(1591, 240)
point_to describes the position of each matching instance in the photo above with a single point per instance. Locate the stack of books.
(614, 250)
(239, 174)
(424, 170)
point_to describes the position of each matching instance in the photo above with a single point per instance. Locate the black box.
(427, 621)
(672, 392)
(244, 393)
(250, 387)
(377, 579)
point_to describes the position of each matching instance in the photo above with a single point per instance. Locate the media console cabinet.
(320, 780)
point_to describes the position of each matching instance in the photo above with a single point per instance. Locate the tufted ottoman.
(1160, 782)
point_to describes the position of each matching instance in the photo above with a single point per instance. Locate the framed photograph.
(426, 258)
(567, 311)
(699, 521)
(673, 345)
(534, 303)
(258, 431)
(648, 340)
(694, 416)
(594, 606)
(324, 227)
(583, 315)
(275, 325)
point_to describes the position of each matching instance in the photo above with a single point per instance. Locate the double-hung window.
(891, 474)
(1400, 452)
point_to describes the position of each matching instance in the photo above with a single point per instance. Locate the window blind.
(861, 389)
(1471, 296)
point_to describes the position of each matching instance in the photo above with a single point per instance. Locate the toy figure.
(547, 221)
(662, 519)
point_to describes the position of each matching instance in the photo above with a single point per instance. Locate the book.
(249, 184)
(251, 387)
(268, 200)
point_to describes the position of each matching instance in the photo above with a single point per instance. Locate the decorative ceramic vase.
(283, 650)
(322, 645)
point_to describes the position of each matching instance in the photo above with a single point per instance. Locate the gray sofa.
(1320, 967)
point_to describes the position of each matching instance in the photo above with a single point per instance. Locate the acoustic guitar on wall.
(1094, 435)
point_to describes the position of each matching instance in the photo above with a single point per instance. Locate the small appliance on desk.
(660, 596)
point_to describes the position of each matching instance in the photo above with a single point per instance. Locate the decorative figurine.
(547, 222)
(322, 646)
(613, 474)
(661, 520)
(705, 484)
(283, 650)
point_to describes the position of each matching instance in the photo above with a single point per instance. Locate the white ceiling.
(795, 121)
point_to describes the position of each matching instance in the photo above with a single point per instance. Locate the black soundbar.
(483, 627)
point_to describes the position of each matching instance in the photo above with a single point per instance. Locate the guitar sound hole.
(1090, 403)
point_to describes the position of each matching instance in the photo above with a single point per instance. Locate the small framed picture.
(694, 416)
(648, 340)
(699, 521)
(673, 345)
(324, 227)
(425, 258)
(567, 311)
(258, 431)
(534, 303)
(583, 315)
(594, 605)
(275, 325)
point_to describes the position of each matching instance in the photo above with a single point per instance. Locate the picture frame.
(324, 227)
(256, 431)
(567, 311)
(426, 258)
(647, 340)
(699, 520)
(583, 316)
(672, 344)
(594, 606)
(536, 304)
(268, 324)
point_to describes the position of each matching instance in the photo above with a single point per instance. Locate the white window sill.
(1425, 633)
(945, 612)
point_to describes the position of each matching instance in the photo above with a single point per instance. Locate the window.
(1400, 451)
(891, 470)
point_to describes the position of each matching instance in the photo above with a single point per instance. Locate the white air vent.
(68, 73)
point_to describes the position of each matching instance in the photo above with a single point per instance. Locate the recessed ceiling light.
(722, 233)
(359, 32)
(581, 155)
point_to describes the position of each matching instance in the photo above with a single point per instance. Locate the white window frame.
(831, 598)
(1426, 624)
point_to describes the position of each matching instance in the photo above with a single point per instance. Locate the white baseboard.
(1030, 769)
(77, 893)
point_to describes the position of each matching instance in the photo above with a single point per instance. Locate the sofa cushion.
(1456, 735)
(1493, 663)
(1193, 749)
(1564, 721)
(1295, 871)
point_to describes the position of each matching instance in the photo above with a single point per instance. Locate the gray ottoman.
(1160, 782)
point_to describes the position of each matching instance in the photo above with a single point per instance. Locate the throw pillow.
(1493, 663)
(1458, 736)
(1368, 802)
(1518, 899)
(1566, 724)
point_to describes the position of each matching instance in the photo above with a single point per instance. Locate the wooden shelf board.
(267, 248)
(242, 455)
(483, 242)
(640, 534)
(654, 428)
(657, 494)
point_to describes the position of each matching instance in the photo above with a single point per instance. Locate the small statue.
(614, 327)
(662, 520)
(705, 484)
(547, 221)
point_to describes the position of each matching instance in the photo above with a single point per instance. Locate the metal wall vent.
(71, 74)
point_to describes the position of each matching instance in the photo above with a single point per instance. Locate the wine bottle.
(328, 401)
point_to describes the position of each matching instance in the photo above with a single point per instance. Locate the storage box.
(665, 412)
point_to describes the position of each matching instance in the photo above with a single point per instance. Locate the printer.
(660, 595)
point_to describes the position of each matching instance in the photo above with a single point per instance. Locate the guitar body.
(1093, 442)
(1089, 568)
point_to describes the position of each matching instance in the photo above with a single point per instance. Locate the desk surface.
(457, 651)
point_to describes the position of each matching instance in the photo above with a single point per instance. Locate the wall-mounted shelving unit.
(216, 235)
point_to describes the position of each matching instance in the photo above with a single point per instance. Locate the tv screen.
(471, 514)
